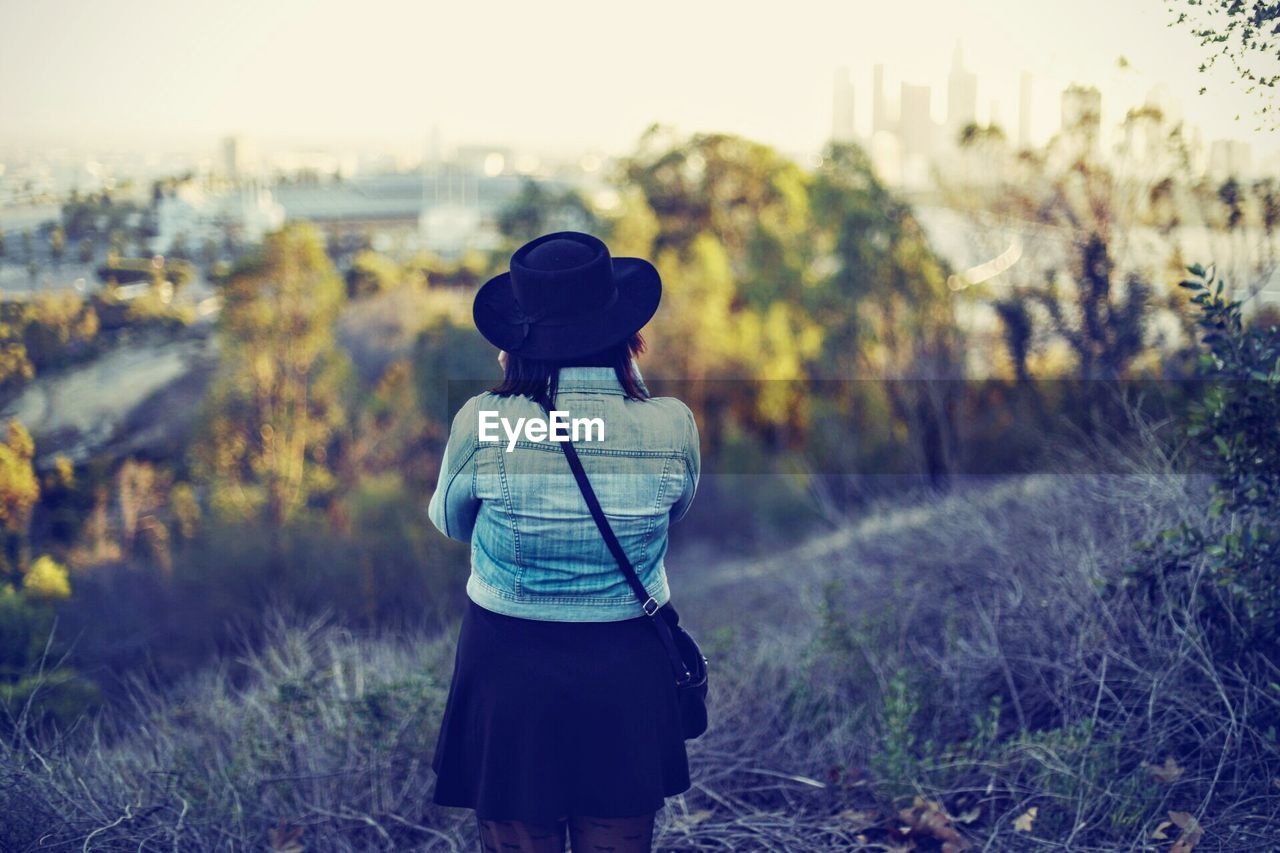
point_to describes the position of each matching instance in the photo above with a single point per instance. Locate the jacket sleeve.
(692, 468)
(454, 504)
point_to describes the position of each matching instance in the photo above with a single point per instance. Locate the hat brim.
(639, 292)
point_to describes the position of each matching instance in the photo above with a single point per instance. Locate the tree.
(1246, 32)
(1091, 283)
(278, 398)
(142, 493)
(889, 313)
(58, 244)
(539, 208)
(371, 273)
(19, 491)
(729, 219)
(751, 198)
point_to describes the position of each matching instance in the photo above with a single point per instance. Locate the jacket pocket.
(489, 476)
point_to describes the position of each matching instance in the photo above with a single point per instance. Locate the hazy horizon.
(153, 76)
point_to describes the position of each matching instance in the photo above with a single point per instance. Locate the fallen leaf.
(929, 818)
(970, 816)
(1159, 834)
(284, 840)
(691, 819)
(1169, 772)
(1026, 819)
(1192, 832)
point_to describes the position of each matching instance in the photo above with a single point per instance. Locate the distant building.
(383, 208)
(1024, 109)
(879, 109)
(962, 97)
(448, 209)
(449, 229)
(842, 129)
(483, 159)
(190, 216)
(915, 123)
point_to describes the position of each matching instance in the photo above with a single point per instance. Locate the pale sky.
(565, 74)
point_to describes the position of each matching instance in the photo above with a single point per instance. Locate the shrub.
(1227, 563)
(46, 580)
(34, 687)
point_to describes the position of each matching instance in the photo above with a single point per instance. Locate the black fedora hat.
(565, 296)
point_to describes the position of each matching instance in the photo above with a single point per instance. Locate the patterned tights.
(586, 835)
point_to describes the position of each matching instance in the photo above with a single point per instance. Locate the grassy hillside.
(940, 675)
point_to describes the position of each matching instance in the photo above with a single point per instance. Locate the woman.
(562, 715)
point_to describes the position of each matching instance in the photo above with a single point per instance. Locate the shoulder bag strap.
(647, 602)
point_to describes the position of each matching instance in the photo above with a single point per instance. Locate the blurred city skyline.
(401, 79)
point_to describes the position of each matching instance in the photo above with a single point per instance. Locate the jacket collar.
(602, 379)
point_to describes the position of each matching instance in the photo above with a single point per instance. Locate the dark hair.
(535, 377)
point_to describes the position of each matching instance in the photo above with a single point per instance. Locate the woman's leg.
(510, 836)
(611, 834)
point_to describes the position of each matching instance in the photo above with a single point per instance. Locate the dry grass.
(951, 668)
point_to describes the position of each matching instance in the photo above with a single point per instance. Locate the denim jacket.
(536, 553)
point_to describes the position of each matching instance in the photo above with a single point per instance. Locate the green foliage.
(538, 209)
(135, 270)
(32, 689)
(1236, 542)
(887, 313)
(46, 580)
(279, 397)
(446, 354)
(729, 219)
(97, 215)
(54, 330)
(468, 270)
(372, 273)
(152, 310)
(48, 331)
(1246, 33)
(897, 764)
(19, 491)
(748, 197)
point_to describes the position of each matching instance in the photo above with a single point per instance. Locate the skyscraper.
(915, 124)
(879, 112)
(962, 96)
(842, 106)
(1024, 109)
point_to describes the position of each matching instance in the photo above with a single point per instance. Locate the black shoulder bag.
(687, 660)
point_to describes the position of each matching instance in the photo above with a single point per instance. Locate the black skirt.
(548, 719)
